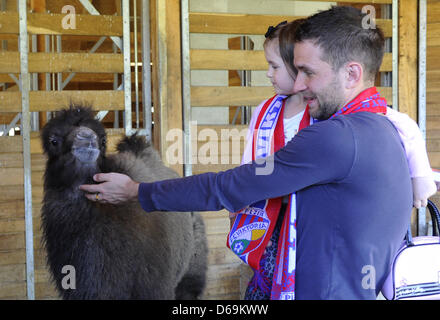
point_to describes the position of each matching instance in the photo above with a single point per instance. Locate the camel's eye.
(53, 141)
(104, 142)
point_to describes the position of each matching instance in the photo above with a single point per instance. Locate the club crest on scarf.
(251, 227)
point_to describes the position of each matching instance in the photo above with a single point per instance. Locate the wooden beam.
(9, 62)
(202, 59)
(55, 100)
(14, 145)
(170, 75)
(39, 23)
(8, 22)
(361, 1)
(408, 67)
(41, 62)
(433, 34)
(76, 62)
(225, 23)
(209, 96)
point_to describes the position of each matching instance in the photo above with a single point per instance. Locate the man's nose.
(299, 84)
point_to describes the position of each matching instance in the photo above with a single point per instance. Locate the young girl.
(261, 251)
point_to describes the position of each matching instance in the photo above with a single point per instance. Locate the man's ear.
(353, 75)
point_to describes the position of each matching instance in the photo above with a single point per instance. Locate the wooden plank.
(222, 255)
(15, 290)
(434, 159)
(12, 241)
(229, 96)
(215, 289)
(433, 12)
(76, 62)
(39, 23)
(46, 290)
(37, 178)
(228, 23)
(432, 58)
(98, 99)
(433, 103)
(433, 34)
(12, 257)
(433, 80)
(12, 226)
(408, 67)
(11, 176)
(202, 59)
(9, 61)
(12, 273)
(433, 145)
(218, 272)
(13, 209)
(11, 160)
(227, 60)
(8, 22)
(86, 24)
(208, 96)
(213, 226)
(11, 193)
(206, 215)
(11, 144)
(56, 100)
(113, 63)
(170, 78)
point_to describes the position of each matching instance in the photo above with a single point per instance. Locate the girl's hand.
(423, 188)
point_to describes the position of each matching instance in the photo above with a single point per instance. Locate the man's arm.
(319, 154)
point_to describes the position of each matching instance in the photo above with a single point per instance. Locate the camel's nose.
(86, 137)
(85, 145)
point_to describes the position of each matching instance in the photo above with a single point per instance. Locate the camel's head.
(74, 142)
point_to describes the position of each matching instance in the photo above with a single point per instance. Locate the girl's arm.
(417, 156)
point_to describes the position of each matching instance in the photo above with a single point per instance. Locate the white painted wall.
(219, 115)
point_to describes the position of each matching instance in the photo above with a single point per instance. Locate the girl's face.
(277, 72)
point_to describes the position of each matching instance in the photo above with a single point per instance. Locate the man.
(349, 172)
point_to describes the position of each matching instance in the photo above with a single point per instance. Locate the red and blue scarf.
(254, 224)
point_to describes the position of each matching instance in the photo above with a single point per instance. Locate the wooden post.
(169, 84)
(408, 67)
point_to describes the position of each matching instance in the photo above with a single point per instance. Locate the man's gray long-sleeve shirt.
(354, 201)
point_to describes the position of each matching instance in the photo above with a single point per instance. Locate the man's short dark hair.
(340, 34)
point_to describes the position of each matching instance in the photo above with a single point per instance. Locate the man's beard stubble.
(330, 101)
